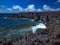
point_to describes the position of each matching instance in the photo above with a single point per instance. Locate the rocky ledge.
(48, 17)
(48, 36)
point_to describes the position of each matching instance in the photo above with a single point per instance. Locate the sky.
(16, 6)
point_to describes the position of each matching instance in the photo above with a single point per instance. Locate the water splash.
(5, 17)
(39, 25)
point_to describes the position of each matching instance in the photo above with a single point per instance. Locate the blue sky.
(13, 6)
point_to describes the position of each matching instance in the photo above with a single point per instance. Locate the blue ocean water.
(14, 27)
(7, 25)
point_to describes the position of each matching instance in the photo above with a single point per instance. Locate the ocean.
(14, 27)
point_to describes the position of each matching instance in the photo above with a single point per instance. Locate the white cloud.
(48, 8)
(30, 8)
(58, 1)
(39, 10)
(17, 7)
(9, 9)
(57, 9)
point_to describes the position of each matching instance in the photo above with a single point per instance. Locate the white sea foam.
(5, 17)
(40, 25)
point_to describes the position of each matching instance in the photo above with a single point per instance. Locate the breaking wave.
(39, 25)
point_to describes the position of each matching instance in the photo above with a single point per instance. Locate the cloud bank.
(48, 8)
(58, 1)
(30, 8)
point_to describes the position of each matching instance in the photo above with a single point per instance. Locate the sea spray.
(39, 25)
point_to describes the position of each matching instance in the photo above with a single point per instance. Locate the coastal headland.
(48, 36)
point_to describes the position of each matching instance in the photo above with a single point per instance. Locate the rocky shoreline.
(48, 36)
(46, 17)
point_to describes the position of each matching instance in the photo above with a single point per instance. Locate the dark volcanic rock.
(48, 36)
(48, 17)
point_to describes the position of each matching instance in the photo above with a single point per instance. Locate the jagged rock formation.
(49, 36)
(44, 16)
